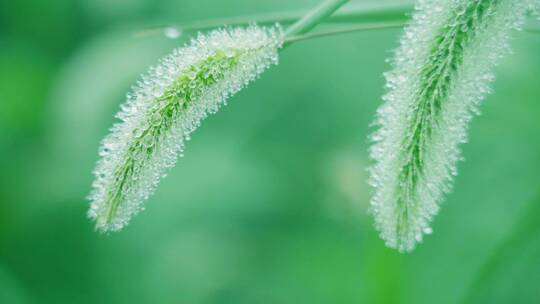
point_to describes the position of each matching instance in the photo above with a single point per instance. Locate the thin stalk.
(314, 17)
(345, 30)
(365, 14)
(359, 13)
(354, 13)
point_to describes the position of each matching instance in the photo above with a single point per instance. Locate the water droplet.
(103, 151)
(137, 132)
(172, 32)
(148, 140)
(229, 53)
(192, 74)
(155, 119)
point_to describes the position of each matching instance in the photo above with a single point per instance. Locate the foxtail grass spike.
(441, 73)
(165, 107)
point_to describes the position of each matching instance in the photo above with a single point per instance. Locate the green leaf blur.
(269, 203)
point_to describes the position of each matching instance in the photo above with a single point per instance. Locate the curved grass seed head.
(165, 107)
(441, 72)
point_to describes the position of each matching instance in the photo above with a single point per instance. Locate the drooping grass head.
(440, 74)
(165, 107)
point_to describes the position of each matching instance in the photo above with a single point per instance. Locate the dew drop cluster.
(441, 72)
(165, 107)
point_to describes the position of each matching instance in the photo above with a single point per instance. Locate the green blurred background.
(269, 203)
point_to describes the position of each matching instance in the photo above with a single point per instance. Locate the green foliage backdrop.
(269, 203)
